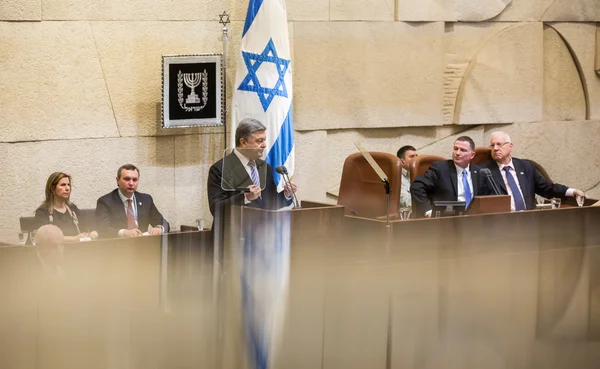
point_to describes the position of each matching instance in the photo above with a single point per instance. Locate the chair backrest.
(87, 221)
(482, 154)
(361, 190)
(420, 164)
(28, 224)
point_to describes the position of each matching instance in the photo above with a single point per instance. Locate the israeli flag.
(264, 279)
(263, 83)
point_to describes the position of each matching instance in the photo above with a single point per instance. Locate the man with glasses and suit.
(519, 178)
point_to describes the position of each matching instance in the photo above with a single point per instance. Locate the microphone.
(281, 169)
(488, 173)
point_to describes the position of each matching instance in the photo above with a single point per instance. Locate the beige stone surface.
(597, 63)
(564, 97)
(572, 11)
(194, 154)
(187, 10)
(370, 74)
(47, 94)
(131, 56)
(132, 10)
(567, 150)
(362, 10)
(20, 10)
(581, 37)
(524, 10)
(462, 41)
(297, 10)
(311, 168)
(504, 81)
(93, 176)
(453, 10)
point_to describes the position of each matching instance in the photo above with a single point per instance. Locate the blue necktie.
(254, 173)
(516, 194)
(468, 195)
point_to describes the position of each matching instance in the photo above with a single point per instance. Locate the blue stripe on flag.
(282, 147)
(253, 7)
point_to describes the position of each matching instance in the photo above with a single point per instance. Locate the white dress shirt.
(460, 190)
(405, 199)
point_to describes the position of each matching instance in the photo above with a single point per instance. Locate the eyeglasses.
(498, 144)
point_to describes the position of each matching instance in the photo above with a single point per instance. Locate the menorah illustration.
(192, 80)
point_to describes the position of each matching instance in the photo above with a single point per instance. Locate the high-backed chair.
(361, 190)
(420, 164)
(482, 154)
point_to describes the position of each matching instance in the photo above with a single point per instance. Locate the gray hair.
(500, 133)
(246, 128)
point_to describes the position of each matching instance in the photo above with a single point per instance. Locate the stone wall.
(81, 90)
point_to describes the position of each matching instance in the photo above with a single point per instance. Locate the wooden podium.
(489, 204)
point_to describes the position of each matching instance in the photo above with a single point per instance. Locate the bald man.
(519, 178)
(49, 241)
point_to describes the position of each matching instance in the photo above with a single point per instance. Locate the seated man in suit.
(125, 212)
(516, 176)
(449, 180)
(405, 153)
(238, 169)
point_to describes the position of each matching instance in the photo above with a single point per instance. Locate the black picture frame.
(192, 90)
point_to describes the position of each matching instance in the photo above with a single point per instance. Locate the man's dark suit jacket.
(530, 181)
(111, 217)
(236, 176)
(440, 183)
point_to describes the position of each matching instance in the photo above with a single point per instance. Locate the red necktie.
(130, 217)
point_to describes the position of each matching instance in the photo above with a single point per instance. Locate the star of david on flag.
(263, 86)
(252, 83)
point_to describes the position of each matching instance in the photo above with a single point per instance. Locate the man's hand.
(578, 193)
(253, 194)
(155, 231)
(132, 233)
(289, 189)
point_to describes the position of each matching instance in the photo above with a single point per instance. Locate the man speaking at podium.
(244, 170)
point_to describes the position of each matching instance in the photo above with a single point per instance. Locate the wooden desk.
(516, 290)
(124, 303)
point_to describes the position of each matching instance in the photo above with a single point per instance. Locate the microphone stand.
(294, 198)
(388, 190)
(493, 184)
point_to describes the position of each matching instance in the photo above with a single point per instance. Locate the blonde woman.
(57, 209)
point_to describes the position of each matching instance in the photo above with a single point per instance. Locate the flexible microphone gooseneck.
(488, 173)
(281, 169)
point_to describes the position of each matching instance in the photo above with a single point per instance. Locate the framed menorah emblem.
(192, 93)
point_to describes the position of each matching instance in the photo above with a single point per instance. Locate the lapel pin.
(522, 173)
(141, 202)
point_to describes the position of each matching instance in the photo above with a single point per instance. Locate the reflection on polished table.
(514, 290)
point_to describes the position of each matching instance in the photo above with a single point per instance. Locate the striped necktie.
(254, 173)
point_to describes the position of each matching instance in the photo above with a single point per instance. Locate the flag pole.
(224, 20)
(218, 294)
